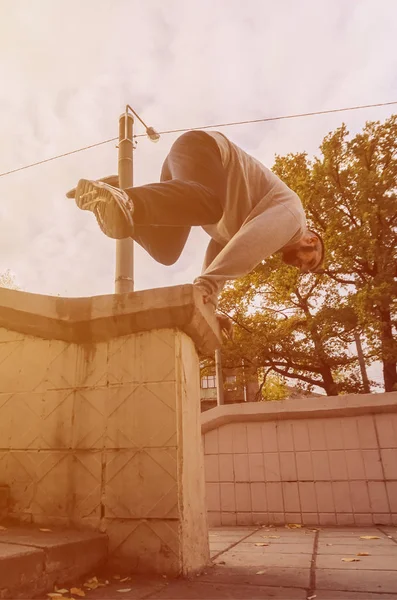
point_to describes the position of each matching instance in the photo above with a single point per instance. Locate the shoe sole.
(112, 209)
(112, 180)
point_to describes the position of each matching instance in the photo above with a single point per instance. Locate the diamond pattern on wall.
(141, 483)
(10, 365)
(41, 420)
(84, 427)
(90, 417)
(41, 482)
(145, 545)
(87, 484)
(144, 357)
(91, 365)
(131, 406)
(61, 367)
(5, 420)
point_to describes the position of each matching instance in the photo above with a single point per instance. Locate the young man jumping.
(208, 181)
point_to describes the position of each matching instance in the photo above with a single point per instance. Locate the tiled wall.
(314, 471)
(94, 435)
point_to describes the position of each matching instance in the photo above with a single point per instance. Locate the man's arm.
(261, 237)
(211, 253)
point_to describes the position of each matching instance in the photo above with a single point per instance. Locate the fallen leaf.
(293, 526)
(363, 554)
(91, 585)
(260, 572)
(350, 560)
(312, 597)
(43, 529)
(77, 592)
(261, 544)
(329, 544)
(272, 537)
(2, 528)
(62, 591)
(125, 579)
(221, 562)
(369, 537)
(54, 595)
(125, 590)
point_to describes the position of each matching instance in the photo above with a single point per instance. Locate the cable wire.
(218, 125)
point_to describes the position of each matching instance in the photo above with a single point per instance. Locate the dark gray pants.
(191, 192)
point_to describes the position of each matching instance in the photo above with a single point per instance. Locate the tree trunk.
(361, 362)
(330, 386)
(389, 352)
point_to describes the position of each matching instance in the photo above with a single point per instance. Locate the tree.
(350, 194)
(7, 280)
(303, 327)
(292, 326)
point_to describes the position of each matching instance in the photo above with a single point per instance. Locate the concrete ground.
(253, 563)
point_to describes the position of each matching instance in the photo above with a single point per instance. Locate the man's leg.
(191, 192)
(192, 187)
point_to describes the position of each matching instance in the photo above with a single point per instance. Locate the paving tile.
(275, 547)
(349, 531)
(216, 547)
(352, 549)
(287, 577)
(286, 538)
(232, 530)
(350, 580)
(141, 587)
(337, 595)
(374, 563)
(263, 560)
(390, 530)
(354, 539)
(182, 590)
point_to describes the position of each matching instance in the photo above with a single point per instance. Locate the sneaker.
(111, 206)
(112, 180)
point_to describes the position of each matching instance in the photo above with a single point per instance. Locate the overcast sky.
(68, 67)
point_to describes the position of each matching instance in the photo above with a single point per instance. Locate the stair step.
(33, 562)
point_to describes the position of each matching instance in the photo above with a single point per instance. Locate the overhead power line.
(214, 126)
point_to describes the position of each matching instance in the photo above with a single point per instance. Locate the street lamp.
(124, 278)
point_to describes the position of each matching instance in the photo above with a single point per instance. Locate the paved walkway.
(255, 563)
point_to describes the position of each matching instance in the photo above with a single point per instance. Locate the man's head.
(307, 254)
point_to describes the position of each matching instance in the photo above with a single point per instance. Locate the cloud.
(68, 69)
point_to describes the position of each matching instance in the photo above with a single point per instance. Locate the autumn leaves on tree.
(325, 329)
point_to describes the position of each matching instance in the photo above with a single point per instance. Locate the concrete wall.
(100, 420)
(311, 461)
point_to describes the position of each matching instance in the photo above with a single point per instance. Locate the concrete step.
(33, 562)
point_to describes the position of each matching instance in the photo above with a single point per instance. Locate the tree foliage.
(303, 327)
(7, 280)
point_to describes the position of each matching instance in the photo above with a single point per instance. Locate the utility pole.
(124, 280)
(220, 395)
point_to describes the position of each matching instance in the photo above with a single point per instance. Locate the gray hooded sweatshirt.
(261, 215)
